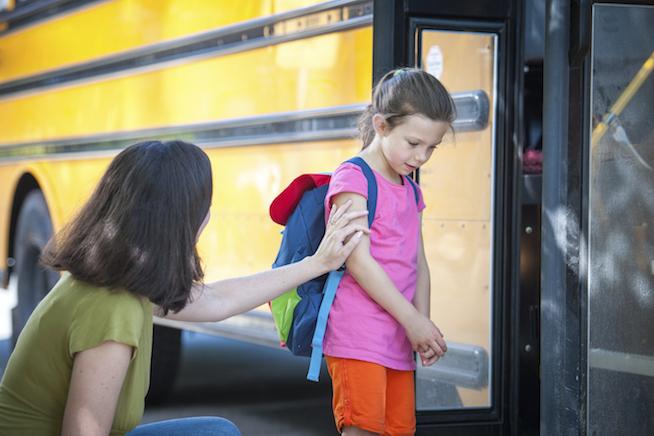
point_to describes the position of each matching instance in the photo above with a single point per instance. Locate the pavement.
(262, 390)
(7, 301)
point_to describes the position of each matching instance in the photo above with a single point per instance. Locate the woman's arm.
(422, 333)
(222, 299)
(95, 383)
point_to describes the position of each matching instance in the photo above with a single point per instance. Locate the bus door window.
(457, 225)
(620, 226)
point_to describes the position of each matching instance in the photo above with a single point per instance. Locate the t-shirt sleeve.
(108, 316)
(347, 178)
(421, 200)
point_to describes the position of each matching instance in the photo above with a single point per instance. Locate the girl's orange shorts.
(372, 397)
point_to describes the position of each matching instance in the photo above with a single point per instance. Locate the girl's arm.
(422, 299)
(222, 299)
(95, 383)
(422, 333)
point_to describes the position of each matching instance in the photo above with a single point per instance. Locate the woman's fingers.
(343, 233)
(335, 246)
(339, 216)
(342, 227)
(352, 243)
(338, 211)
(349, 216)
(332, 212)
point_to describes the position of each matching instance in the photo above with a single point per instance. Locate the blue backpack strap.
(415, 189)
(372, 186)
(329, 292)
(334, 278)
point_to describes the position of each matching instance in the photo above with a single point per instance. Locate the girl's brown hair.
(404, 92)
(139, 228)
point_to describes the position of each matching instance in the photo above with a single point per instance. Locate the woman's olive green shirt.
(73, 317)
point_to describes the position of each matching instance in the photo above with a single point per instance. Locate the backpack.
(300, 314)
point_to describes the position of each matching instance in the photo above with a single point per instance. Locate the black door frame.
(566, 139)
(394, 23)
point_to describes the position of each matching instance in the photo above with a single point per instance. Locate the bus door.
(597, 266)
(467, 184)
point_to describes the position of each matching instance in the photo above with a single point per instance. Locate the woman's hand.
(339, 241)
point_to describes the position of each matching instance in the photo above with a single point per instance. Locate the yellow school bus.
(520, 262)
(270, 89)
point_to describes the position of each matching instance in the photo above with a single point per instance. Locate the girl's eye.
(413, 144)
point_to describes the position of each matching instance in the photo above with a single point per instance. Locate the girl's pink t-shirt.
(359, 328)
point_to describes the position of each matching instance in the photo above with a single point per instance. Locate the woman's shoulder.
(88, 296)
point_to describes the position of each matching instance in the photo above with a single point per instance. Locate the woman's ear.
(379, 124)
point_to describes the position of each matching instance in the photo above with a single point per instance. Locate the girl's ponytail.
(366, 131)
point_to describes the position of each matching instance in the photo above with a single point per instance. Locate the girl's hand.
(426, 339)
(335, 246)
(428, 357)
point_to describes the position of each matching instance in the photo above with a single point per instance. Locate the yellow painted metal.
(239, 239)
(9, 176)
(65, 184)
(328, 70)
(111, 27)
(457, 186)
(623, 100)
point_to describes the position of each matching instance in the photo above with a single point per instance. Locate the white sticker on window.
(435, 61)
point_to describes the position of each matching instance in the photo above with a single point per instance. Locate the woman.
(81, 364)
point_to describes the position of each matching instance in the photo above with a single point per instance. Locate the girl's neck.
(374, 156)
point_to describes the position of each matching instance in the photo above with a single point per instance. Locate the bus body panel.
(299, 75)
(288, 79)
(112, 27)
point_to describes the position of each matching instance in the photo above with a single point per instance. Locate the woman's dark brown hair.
(404, 92)
(139, 228)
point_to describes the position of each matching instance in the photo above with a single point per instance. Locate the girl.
(381, 310)
(81, 364)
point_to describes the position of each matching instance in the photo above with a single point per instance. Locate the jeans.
(196, 426)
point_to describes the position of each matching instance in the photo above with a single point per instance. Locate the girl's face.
(410, 144)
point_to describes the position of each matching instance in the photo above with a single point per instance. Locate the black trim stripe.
(316, 125)
(29, 12)
(310, 125)
(328, 17)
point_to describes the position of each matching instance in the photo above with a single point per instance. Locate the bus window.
(457, 225)
(621, 233)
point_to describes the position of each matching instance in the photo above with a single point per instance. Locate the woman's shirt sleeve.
(111, 316)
